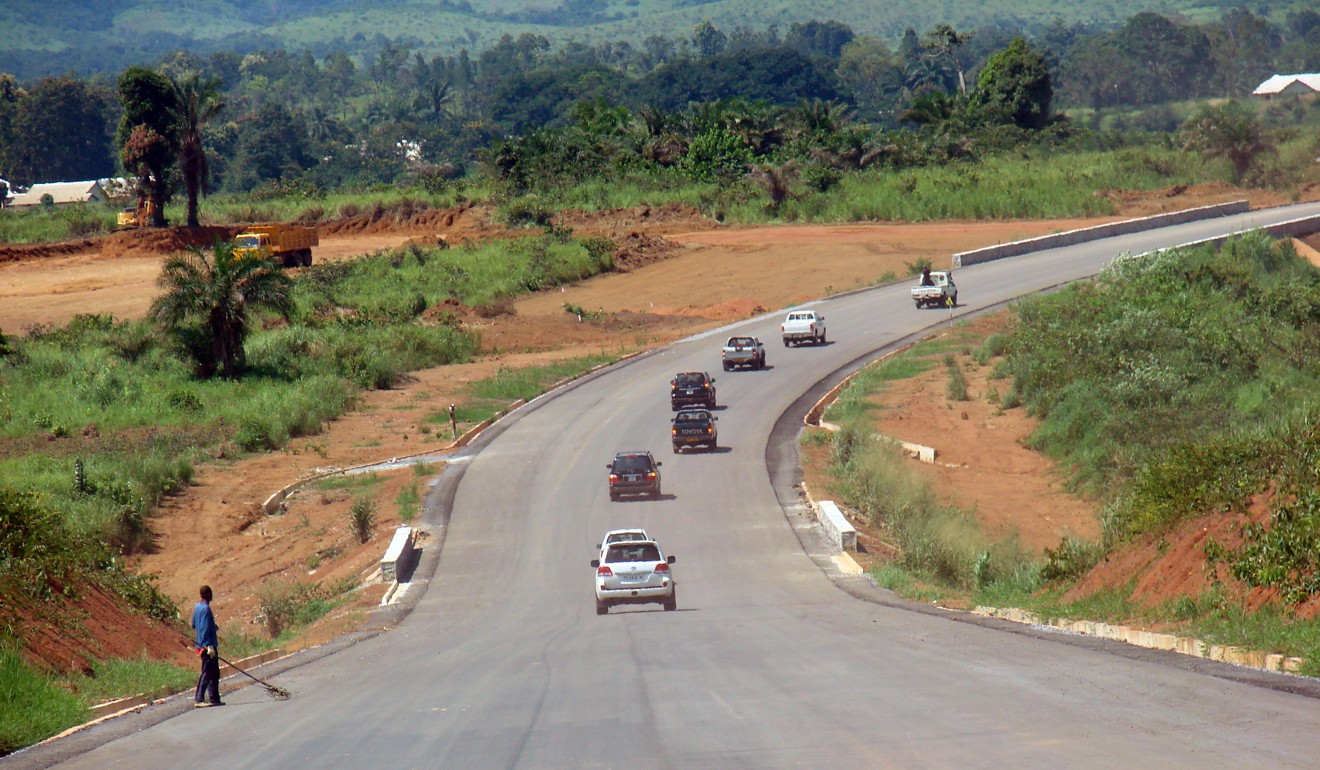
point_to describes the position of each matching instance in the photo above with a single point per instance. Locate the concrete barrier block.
(840, 531)
(923, 453)
(1293, 665)
(1273, 662)
(394, 565)
(1163, 641)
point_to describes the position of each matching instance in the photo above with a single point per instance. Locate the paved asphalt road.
(503, 663)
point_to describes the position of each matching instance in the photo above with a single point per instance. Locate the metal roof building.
(61, 192)
(1278, 85)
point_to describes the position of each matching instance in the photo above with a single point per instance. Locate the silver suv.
(635, 572)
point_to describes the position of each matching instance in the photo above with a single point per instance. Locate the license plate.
(632, 478)
(634, 577)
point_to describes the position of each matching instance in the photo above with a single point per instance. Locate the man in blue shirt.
(203, 623)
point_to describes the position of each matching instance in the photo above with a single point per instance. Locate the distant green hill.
(42, 37)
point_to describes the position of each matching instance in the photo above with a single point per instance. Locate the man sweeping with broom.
(203, 623)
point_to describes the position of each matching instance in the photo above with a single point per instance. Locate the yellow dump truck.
(291, 245)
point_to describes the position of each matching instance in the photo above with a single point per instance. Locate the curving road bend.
(503, 662)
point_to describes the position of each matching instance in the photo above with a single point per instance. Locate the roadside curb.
(1139, 637)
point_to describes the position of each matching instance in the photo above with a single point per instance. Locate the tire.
(821, 341)
(614, 495)
(677, 448)
(785, 343)
(727, 367)
(671, 603)
(760, 363)
(602, 607)
(654, 492)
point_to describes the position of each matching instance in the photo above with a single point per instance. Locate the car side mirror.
(595, 562)
(670, 559)
(712, 380)
(658, 463)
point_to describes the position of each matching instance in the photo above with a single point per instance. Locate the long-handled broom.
(274, 691)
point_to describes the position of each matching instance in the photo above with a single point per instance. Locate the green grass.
(489, 397)
(42, 224)
(111, 679)
(409, 502)
(350, 481)
(32, 706)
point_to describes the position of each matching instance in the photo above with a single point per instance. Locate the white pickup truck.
(803, 326)
(941, 290)
(743, 351)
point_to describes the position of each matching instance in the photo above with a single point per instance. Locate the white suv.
(634, 572)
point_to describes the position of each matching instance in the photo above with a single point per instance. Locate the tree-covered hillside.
(45, 37)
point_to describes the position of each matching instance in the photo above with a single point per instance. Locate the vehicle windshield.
(689, 379)
(632, 463)
(692, 417)
(741, 342)
(247, 242)
(633, 552)
(624, 537)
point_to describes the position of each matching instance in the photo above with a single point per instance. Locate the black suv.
(634, 473)
(694, 427)
(692, 389)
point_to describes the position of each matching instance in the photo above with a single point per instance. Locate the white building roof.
(1289, 84)
(60, 192)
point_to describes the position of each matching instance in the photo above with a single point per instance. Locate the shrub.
(362, 518)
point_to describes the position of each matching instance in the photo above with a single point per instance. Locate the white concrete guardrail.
(394, 564)
(1293, 228)
(837, 528)
(1108, 230)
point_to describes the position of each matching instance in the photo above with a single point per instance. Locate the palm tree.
(218, 293)
(198, 103)
(1227, 131)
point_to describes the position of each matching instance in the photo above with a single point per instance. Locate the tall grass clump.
(956, 386)
(939, 541)
(400, 284)
(362, 518)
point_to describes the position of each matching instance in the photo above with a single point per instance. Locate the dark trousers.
(208, 684)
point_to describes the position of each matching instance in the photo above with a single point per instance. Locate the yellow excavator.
(138, 216)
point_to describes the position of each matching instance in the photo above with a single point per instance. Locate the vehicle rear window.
(633, 552)
(632, 463)
(688, 379)
(741, 342)
(691, 417)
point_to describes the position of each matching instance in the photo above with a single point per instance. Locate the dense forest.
(50, 37)
(714, 101)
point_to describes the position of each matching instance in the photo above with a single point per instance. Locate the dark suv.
(694, 427)
(692, 389)
(634, 473)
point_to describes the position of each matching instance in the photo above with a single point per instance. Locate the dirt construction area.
(214, 532)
